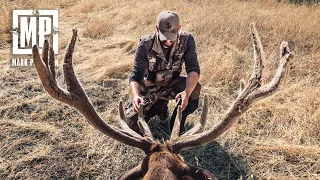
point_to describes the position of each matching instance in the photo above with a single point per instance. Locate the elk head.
(162, 160)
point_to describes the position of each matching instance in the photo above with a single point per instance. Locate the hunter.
(155, 77)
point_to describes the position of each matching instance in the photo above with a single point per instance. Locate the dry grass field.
(277, 138)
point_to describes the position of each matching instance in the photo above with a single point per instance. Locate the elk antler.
(203, 119)
(247, 95)
(175, 134)
(76, 97)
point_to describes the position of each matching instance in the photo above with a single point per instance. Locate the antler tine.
(51, 65)
(45, 52)
(122, 122)
(252, 91)
(258, 54)
(199, 127)
(69, 75)
(48, 78)
(176, 126)
(285, 57)
(121, 111)
(143, 125)
(77, 97)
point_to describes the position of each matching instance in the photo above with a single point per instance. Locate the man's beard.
(165, 46)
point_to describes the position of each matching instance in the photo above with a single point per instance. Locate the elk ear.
(191, 172)
(134, 173)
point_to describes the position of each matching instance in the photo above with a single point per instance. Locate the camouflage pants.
(156, 103)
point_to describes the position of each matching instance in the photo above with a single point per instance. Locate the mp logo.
(32, 27)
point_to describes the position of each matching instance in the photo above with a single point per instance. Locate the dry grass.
(278, 138)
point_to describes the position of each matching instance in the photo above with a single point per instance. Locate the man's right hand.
(137, 102)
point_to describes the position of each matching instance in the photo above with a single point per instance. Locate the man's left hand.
(184, 99)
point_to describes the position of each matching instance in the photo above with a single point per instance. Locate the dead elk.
(162, 160)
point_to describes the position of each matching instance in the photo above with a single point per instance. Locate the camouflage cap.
(168, 23)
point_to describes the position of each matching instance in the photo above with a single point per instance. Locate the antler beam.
(76, 97)
(251, 92)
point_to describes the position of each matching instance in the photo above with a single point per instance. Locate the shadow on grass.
(213, 157)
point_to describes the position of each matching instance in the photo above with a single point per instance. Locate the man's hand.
(191, 83)
(137, 102)
(184, 99)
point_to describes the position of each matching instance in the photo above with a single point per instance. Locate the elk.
(161, 160)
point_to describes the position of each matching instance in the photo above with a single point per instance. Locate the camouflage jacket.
(153, 69)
